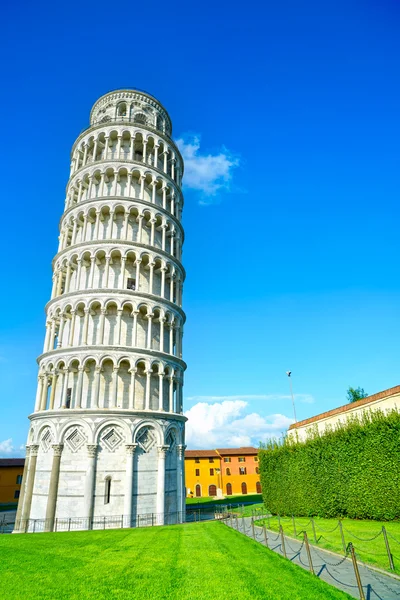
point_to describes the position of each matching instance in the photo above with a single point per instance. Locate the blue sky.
(288, 115)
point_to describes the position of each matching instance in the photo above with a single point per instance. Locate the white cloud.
(206, 173)
(6, 447)
(225, 424)
(304, 398)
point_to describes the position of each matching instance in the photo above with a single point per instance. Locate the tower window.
(131, 284)
(19, 479)
(107, 491)
(68, 398)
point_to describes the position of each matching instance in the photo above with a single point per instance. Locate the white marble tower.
(107, 433)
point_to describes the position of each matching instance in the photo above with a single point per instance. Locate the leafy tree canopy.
(354, 394)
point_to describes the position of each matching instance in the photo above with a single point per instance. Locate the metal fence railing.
(8, 524)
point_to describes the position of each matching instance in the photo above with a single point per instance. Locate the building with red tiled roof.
(11, 470)
(222, 472)
(387, 400)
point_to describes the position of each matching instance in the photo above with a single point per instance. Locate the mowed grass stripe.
(203, 561)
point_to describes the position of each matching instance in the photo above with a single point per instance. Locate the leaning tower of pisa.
(106, 438)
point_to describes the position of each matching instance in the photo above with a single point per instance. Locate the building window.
(228, 471)
(107, 491)
(197, 460)
(211, 460)
(68, 398)
(19, 479)
(131, 284)
(16, 494)
(258, 487)
(242, 470)
(227, 459)
(211, 471)
(256, 459)
(197, 472)
(244, 488)
(198, 491)
(242, 459)
(229, 489)
(257, 470)
(212, 490)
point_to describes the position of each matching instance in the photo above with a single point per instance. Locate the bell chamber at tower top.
(134, 107)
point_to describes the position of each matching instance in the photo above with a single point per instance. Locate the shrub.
(352, 470)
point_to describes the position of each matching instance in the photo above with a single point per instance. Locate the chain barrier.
(285, 548)
(363, 539)
(329, 530)
(380, 580)
(333, 564)
(291, 549)
(392, 536)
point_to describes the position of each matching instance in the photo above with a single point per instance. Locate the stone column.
(53, 389)
(90, 479)
(30, 480)
(132, 389)
(101, 326)
(134, 332)
(65, 387)
(140, 225)
(138, 261)
(45, 388)
(39, 392)
(162, 321)
(114, 388)
(97, 372)
(68, 278)
(151, 277)
(148, 386)
(72, 328)
(163, 271)
(19, 525)
(149, 328)
(106, 272)
(152, 231)
(119, 323)
(53, 487)
(161, 391)
(91, 274)
(180, 487)
(160, 502)
(78, 401)
(86, 326)
(171, 394)
(61, 331)
(130, 452)
(122, 275)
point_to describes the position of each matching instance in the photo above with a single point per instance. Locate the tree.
(354, 394)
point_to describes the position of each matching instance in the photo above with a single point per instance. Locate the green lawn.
(228, 500)
(250, 511)
(372, 552)
(204, 561)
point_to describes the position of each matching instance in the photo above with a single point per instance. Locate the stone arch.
(146, 423)
(77, 442)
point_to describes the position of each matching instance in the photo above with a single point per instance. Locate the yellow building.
(11, 470)
(222, 472)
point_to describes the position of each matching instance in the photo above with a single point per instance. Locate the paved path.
(332, 568)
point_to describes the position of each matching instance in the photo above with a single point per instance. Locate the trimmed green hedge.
(352, 471)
